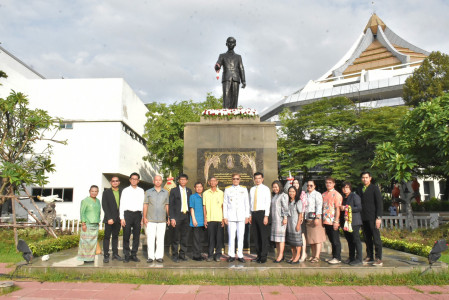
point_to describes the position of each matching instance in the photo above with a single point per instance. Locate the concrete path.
(89, 290)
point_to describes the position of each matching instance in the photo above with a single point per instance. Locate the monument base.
(220, 147)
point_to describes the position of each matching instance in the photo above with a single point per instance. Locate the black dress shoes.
(183, 258)
(126, 260)
(106, 259)
(217, 258)
(150, 260)
(256, 259)
(160, 260)
(241, 259)
(134, 258)
(262, 261)
(117, 257)
(231, 259)
(175, 259)
(197, 258)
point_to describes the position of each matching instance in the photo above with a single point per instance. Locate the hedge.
(413, 248)
(63, 242)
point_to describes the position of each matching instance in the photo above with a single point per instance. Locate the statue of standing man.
(233, 74)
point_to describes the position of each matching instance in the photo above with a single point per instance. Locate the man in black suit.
(372, 208)
(233, 74)
(111, 203)
(180, 218)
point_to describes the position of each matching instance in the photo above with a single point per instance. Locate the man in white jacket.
(236, 214)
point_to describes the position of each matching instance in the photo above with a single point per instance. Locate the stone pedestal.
(220, 147)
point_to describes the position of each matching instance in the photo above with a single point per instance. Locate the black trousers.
(260, 232)
(372, 238)
(334, 238)
(196, 245)
(354, 243)
(132, 219)
(113, 230)
(230, 94)
(215, 234)
(181, 236)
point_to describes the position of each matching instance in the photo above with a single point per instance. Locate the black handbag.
(311, 216)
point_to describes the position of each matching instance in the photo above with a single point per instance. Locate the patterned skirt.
(88, 243)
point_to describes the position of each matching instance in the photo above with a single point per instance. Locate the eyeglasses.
(235, 178)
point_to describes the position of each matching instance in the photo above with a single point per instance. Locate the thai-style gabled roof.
(374, 68)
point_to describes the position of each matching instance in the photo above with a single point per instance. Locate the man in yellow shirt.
(213, 219)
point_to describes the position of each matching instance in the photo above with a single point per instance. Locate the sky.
(166, 50)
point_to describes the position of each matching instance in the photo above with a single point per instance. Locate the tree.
(421, 145)
(374, 126)
(164, 130)
(20, 129)
(335, 137)
(430, 80)
(317, 137)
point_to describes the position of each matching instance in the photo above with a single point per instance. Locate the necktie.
(255, 199)
(364, 188)
(184, 201)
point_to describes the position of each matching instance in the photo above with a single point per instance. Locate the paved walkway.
(89, 290)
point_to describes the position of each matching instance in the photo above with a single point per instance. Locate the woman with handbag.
(315, 230)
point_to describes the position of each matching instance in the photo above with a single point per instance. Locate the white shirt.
(263, 198)
(132, 200)
(236, 204)
(183, 192)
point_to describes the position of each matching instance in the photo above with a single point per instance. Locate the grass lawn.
(165, 278)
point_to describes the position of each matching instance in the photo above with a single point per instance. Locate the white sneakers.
(334, 261)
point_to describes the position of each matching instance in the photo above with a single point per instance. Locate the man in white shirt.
(131, 205)
(236, 215)
(260, 196)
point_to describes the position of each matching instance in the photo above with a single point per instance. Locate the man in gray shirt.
(155, 217)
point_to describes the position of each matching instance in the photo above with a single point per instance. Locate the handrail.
(359, 73)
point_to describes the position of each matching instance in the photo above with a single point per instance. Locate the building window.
(66, 125)
(134, 135)
(64, 193)
(427, 190)
(442, 188)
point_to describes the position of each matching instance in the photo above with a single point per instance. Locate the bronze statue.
(233, 74)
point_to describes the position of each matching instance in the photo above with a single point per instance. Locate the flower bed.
(401, 245)
(230, 113)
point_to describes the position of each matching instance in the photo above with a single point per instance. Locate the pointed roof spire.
(373, 22)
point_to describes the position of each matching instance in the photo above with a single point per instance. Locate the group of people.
(298, 218)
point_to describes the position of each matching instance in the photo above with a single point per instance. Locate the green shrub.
(61, 243)
(433, 204)
(413, 248)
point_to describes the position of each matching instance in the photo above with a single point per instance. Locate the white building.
(103, 123)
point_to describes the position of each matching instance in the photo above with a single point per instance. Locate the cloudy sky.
(166, 50)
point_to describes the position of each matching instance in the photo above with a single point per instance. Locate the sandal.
(310, 258)
(315, 260)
